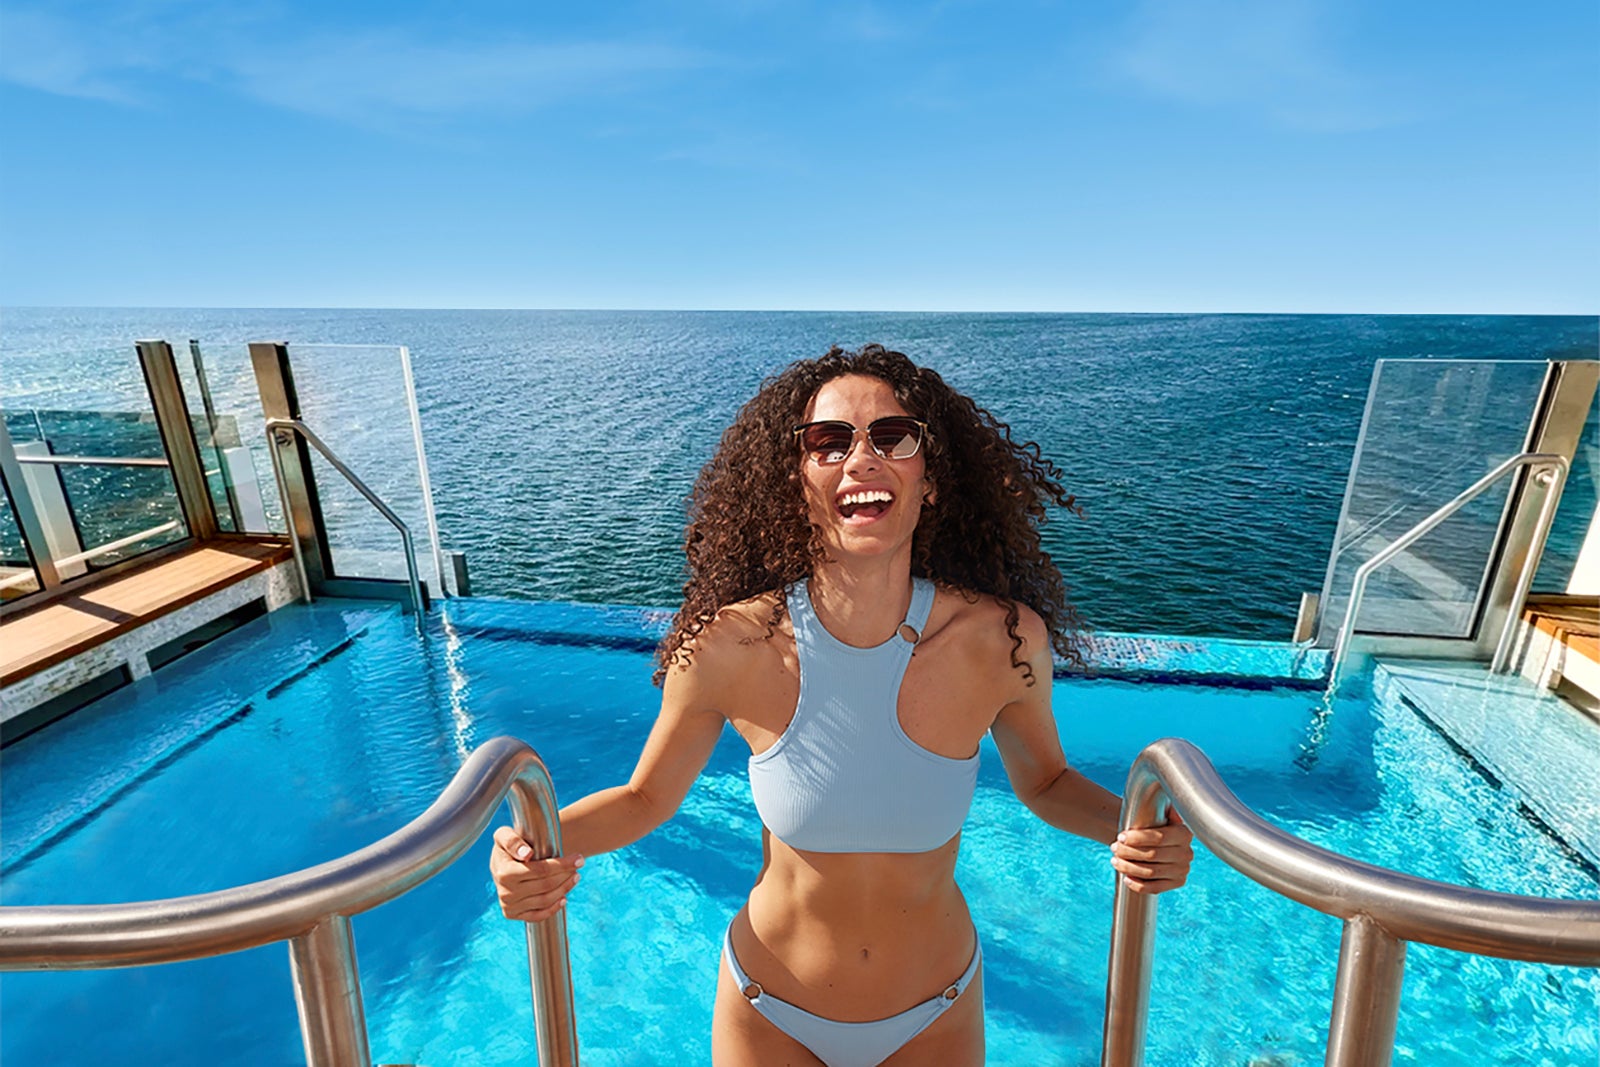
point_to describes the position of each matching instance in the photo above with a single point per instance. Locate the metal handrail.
(1382, 911)
(311, 910)
(1358, 585)
(54, 460)
(295, 425)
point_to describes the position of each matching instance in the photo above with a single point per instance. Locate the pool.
(317, 730)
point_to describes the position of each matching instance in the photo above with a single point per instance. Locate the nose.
(861, 455)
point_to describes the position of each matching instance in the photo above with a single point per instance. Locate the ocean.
(1209, 452)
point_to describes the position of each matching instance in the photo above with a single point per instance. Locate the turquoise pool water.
(241, 762)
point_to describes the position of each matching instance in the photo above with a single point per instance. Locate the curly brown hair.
(750, 533)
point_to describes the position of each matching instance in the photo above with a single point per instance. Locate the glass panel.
(100, 483)
(208, 430)
(219, 386)
(1431, 430)
(17, 575)
(89, 402)
(354, 397)
(1575, 514)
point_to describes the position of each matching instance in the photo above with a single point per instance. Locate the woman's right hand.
(530, 890)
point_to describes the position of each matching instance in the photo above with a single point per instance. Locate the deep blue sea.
(1210, 452)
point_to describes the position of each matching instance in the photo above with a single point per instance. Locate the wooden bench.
(76, 621)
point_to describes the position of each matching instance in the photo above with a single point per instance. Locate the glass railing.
(99, 483)
(1431, 429)
(219, 389)
(361, 401)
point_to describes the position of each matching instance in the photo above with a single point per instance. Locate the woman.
(867, 598)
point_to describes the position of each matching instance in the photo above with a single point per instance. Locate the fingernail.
(524, 852)
(577, 878)
(1122, 837)
(579, 863)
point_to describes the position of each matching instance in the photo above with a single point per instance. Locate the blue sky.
(1214, 155)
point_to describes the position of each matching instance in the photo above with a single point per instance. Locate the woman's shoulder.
(737, 637)
(979, 622)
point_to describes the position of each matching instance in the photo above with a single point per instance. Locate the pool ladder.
(311, 910)
(1382, 910)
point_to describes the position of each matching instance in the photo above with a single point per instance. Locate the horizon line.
(789, 311)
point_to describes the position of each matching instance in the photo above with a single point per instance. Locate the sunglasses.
(891, 437)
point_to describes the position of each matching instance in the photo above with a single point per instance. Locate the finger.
(1159, 853)
(1154, 836)
(536, 915)
(1165, 868)
(537, 883)
(1151, 885)
(512, 844)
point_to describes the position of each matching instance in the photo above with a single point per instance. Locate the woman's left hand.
(1154, 859)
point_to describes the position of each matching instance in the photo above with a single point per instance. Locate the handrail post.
(1554, 479)
(537, 820)
(327, 990)
(1366, 996)
(1133, 932)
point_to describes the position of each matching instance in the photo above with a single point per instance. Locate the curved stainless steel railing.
(311, 910)
(296, 426)
(1382, 911)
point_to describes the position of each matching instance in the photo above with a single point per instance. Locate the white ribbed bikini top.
(844, 777)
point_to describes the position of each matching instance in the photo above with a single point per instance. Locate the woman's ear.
(930, 496)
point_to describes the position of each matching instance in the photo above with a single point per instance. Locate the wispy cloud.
(1277, 58)
(368, 76)
(45, 52)
(392, 73)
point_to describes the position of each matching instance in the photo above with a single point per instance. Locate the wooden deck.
(1577, 625)
(62, 628)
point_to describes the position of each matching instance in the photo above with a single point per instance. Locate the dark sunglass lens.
(896, 438)
(827, 439)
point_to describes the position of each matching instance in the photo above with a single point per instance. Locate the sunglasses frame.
(922, 435)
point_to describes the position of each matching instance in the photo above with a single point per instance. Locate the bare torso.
(860, 936)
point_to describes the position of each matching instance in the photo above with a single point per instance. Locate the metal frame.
(297, 491)
(1557, 426)
(311, 910)
(54, 460)
(1555, 471)
(422, 468)
(29, 524)
(177, 433)
(1382, 911)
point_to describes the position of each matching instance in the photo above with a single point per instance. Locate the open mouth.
(864, 503)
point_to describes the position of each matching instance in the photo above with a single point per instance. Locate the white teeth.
(868, 496)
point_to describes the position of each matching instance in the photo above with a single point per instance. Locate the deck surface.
(58, 630)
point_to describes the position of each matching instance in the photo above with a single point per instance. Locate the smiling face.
(865, 505)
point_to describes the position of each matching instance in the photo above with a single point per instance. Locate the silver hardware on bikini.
(952, 993)
(752, 991)
(908, 633)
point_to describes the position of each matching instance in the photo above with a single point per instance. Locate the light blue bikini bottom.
(847, 1044)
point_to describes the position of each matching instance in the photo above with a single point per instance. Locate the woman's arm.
(1151, 859)
(679, 746)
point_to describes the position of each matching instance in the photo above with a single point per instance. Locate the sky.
(1164, 155)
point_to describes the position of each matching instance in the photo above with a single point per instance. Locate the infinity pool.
(315, 731)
